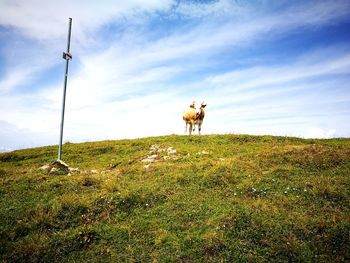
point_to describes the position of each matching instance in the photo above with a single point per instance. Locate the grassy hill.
(230, 198)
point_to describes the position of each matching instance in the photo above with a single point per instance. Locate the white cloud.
(213, 8)
(282, 74)
(13, 137)
(44, 20)
(155, 114)
(3, 149)
(320, 133)
(206, 39)
(14, 79)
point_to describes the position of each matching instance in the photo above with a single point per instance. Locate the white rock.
(61, 163)
(155, 147)
(45, 167)
(202, 152)
(171, 150)
(53, 170)
(74, 170)
(148, 160)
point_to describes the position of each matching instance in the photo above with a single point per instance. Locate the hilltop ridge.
(209, 198)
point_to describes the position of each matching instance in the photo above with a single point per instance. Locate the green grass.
(222, 198)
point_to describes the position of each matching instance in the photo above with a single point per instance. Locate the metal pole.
(64, 90)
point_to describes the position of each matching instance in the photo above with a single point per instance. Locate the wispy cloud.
(42, 20)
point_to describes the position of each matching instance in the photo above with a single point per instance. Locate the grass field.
(213, 198)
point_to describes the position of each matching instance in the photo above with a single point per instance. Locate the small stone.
(155, 147)
(171, 150)
(74, 170)
(45, 167)
(202, 152)
(93, 171)
(150, 159)
(147, 166)
(58, 168)
(53, 170)
(59, 163)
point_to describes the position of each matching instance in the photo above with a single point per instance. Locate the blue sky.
(262, 67)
